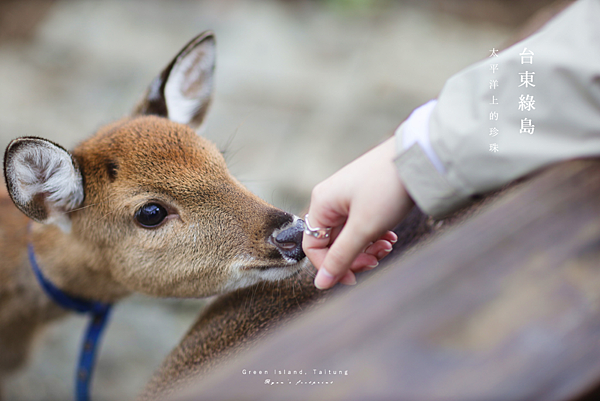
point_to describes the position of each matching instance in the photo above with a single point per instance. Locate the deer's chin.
(247, 274)
(282, 272)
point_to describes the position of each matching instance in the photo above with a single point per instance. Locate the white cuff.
(416, 129)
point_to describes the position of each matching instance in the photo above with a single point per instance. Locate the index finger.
(344, 250)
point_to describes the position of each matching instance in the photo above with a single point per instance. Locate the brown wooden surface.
(505, 306)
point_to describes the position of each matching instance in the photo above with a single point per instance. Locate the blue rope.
(99, 313)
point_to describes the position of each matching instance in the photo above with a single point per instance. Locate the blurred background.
(302, 88)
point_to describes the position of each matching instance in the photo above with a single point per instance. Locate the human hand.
(361, 202)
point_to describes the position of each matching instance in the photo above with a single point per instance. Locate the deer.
(144, 205)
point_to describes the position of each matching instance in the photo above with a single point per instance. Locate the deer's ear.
(183, 91)
(43, 180)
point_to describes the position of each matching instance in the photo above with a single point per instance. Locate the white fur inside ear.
(40, 167)
(189, 86)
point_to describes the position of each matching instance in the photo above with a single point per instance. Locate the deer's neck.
(75, 268)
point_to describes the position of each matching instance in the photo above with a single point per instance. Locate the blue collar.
(99, 313)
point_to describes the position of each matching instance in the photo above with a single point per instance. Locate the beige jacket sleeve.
(477, 153)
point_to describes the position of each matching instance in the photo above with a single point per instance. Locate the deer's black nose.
(289, 241)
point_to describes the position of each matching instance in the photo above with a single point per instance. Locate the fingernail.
(373, 266)
(383, 253)
(394, 241)
(324, 279)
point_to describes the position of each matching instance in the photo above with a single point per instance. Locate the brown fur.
(217, 236)
(219, 219)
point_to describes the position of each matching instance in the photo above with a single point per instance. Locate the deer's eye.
(151, 215)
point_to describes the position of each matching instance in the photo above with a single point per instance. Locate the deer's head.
(152, 201)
